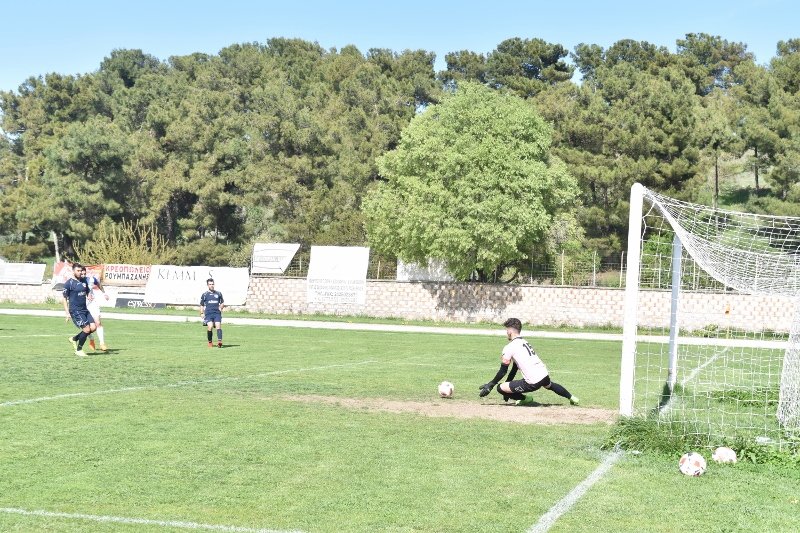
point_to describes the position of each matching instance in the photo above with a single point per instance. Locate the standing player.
(96, 291)
(534, 372)
(75, 291)
(211, 306)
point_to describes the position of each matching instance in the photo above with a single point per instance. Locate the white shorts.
(94, 310)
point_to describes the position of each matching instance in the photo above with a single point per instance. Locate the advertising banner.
(63, 271)
(338, 275)
(435, 271)
(126, 275)
(22, 273)
(272, 258)
(183, 285)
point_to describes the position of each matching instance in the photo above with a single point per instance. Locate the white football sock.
(101, 335)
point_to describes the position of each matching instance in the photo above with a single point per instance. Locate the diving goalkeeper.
(520, 355)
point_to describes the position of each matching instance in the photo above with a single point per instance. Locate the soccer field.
(313, 430)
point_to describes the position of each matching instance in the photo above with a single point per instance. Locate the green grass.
(646, 493)
(361, 319)
(215, 436)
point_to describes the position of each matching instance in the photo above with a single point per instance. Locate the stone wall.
(27, 294)
(471, 302)
(534, 305)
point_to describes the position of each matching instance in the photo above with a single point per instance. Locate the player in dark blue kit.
(211, 306)
(75, 291)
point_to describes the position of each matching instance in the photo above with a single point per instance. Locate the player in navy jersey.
(211, 306)
(75, 291)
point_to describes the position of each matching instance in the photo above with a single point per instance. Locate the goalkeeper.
(520, 355)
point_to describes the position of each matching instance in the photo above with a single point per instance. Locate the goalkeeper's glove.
(486, 389)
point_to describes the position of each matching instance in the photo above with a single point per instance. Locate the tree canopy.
(283, 140)
(471, 183)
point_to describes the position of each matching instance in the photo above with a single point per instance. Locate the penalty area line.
(181, 524)
(179, 384)
(565, 504)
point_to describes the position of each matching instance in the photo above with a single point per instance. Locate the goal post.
(710, 346)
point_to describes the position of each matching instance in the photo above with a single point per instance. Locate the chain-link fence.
(379, 267)
(562, 271)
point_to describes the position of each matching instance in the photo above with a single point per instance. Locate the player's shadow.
(110, 351)
(229, 346)
(533, 404)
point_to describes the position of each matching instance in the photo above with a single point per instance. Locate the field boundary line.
(667, 407)
(181, 524)
(547, 520)
(176, 384)
(399, 328)
(700, 368)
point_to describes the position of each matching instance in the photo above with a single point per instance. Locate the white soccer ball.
(723, 454)
(692, 464)
(446, 389)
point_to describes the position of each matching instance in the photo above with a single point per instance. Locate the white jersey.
(94, 304)
(532, 368)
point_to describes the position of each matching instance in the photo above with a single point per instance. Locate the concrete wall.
(471, 302)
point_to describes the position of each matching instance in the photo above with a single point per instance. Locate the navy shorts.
(212, 316)
(81, 318)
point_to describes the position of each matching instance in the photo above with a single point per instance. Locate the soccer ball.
(446, 389)
(692, 464)
(723, 454)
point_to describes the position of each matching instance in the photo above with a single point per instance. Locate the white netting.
(738, 350)
(754, 254)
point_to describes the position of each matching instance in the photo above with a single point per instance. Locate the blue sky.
(72, 37)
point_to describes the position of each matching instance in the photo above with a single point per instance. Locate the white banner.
(338, 275)
(126, 275)
(183, 285)
(435, 271)
(22, 273)
(272, 258)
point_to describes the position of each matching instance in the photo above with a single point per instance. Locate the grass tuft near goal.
(711, 340)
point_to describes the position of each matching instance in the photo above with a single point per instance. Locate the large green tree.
(472, 183)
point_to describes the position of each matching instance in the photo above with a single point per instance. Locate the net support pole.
(789, 396)
(677, 256)
(629, 325)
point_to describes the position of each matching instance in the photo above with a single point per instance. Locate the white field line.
(178, 384)
(667, 407)
(181, 524)
(693, 373)
(397, 328)
(547, 520)
(26, 336)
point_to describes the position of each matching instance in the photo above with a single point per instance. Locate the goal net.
(711, 341)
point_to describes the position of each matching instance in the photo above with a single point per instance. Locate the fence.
(563, 271)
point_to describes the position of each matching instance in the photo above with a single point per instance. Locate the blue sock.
(219, 334)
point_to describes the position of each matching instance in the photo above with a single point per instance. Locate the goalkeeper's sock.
(210, 335)
(561, 391)
(516, 396)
